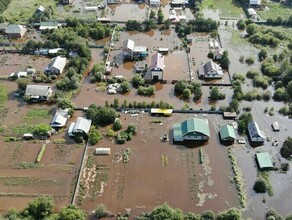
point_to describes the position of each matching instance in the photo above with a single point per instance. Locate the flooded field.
(15, 62)
(21, 178)
(137, 12)
(179, 178)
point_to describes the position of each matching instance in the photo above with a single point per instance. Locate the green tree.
(263, 54)
(286, 150)
(166, 212)
(251, 29)
(243, 121)
(197, 90)
(260, 186)
(131, 129)
(40, 208)
(252, 73)
(191, 216)
(117, 125)
(138, 80)
(125, 87)
(289, 89)
(187, 93)
(65, 102)
(41, 130)
(233, 105)
(179, 87)
(94, 136)
(71, 213)
(225, 62)
(208, 215)
(231, 214)
(160, 16)
(280, 95)
(101, 115)
(101, 211)
(215, 94)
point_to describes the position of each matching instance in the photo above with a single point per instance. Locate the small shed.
(229, 115)
(264, 161)
(189, 39)
(102, 151)
(163, 51)
(227, 133)
(276, 126)
(30, 71)
(161, 112)
(211, 45)
(216, 45)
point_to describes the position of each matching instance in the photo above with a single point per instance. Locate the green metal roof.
(195, 125)
(227, 131)
(49, 23)
(264, 160)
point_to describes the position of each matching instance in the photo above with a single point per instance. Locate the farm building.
(217, 54)
(161, 112)
(229, 115)
(102, 151)
(157, 67)
(48, 25)
(163, 51)
(276, 126)
(56, 66)
(227, 133)
(58, 121)
(252, 13)
(81, 127)
(210, 70)
(17, 75)
(255, 134)
(38, 92)
(154, 3)
(15, 30)
(189, 38)
(264, 160)
(193, 129)
(130, 51)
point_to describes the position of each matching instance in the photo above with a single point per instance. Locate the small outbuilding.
(264, 161)
(227, 133)
(102, 151)
(229, 115)
(15, 31)
(160, 112)
(48, 25)
(217, 54)
(81, 127)
(276, 126)
(189, 39)
(58, 121)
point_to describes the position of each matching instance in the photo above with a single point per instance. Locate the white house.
(217, 54)
(38, 92)
(58, 121)
(56, 66)
(157, 67)
(81, 127)
(210, 70)
(255, 134)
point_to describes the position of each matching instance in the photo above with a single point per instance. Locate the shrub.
(249, 60)
(252, 73)
(239, 76)
(146, 91)
(260, 186)
(41, 153)
(132, 129)
(285, 166)
(101, 211)
(94, 136)
(117, 124)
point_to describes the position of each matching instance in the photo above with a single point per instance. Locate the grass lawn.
(3, 95)
(228, 8)
(19, 10)
(276, 9)
(35, 114)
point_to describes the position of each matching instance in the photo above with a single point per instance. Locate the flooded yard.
(179, 178)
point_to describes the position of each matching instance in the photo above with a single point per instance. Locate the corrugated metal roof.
(264, 160)
(37, 90)
(58, 63)
(195, 125)
(82, 124)
(227, 131)
(15, 29)
(128, 45)
(157, 61)
(254, 130)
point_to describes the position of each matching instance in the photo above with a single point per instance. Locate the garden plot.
(179, 178)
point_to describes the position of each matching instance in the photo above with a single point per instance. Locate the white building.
(255, 134)
(157, 67)
(56, 66)
(211, 70)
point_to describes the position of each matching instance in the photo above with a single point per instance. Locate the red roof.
(157, 62)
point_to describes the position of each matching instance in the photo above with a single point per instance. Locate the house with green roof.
(191, 129)
(227, 133)
(264, 161)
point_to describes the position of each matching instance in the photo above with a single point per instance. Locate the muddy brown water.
(145, 181)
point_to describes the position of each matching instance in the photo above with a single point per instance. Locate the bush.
(146, 91)
(132, 129)
(260, 186)
(285, 166)
(239, 76)
(261, 81)
(286, 150)
(215, 94)
(249, 60)
(101, 211)
(252, 74)
(41, 153)
(138, 80)
(117, 124)
(179, 87)
(94, 136)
